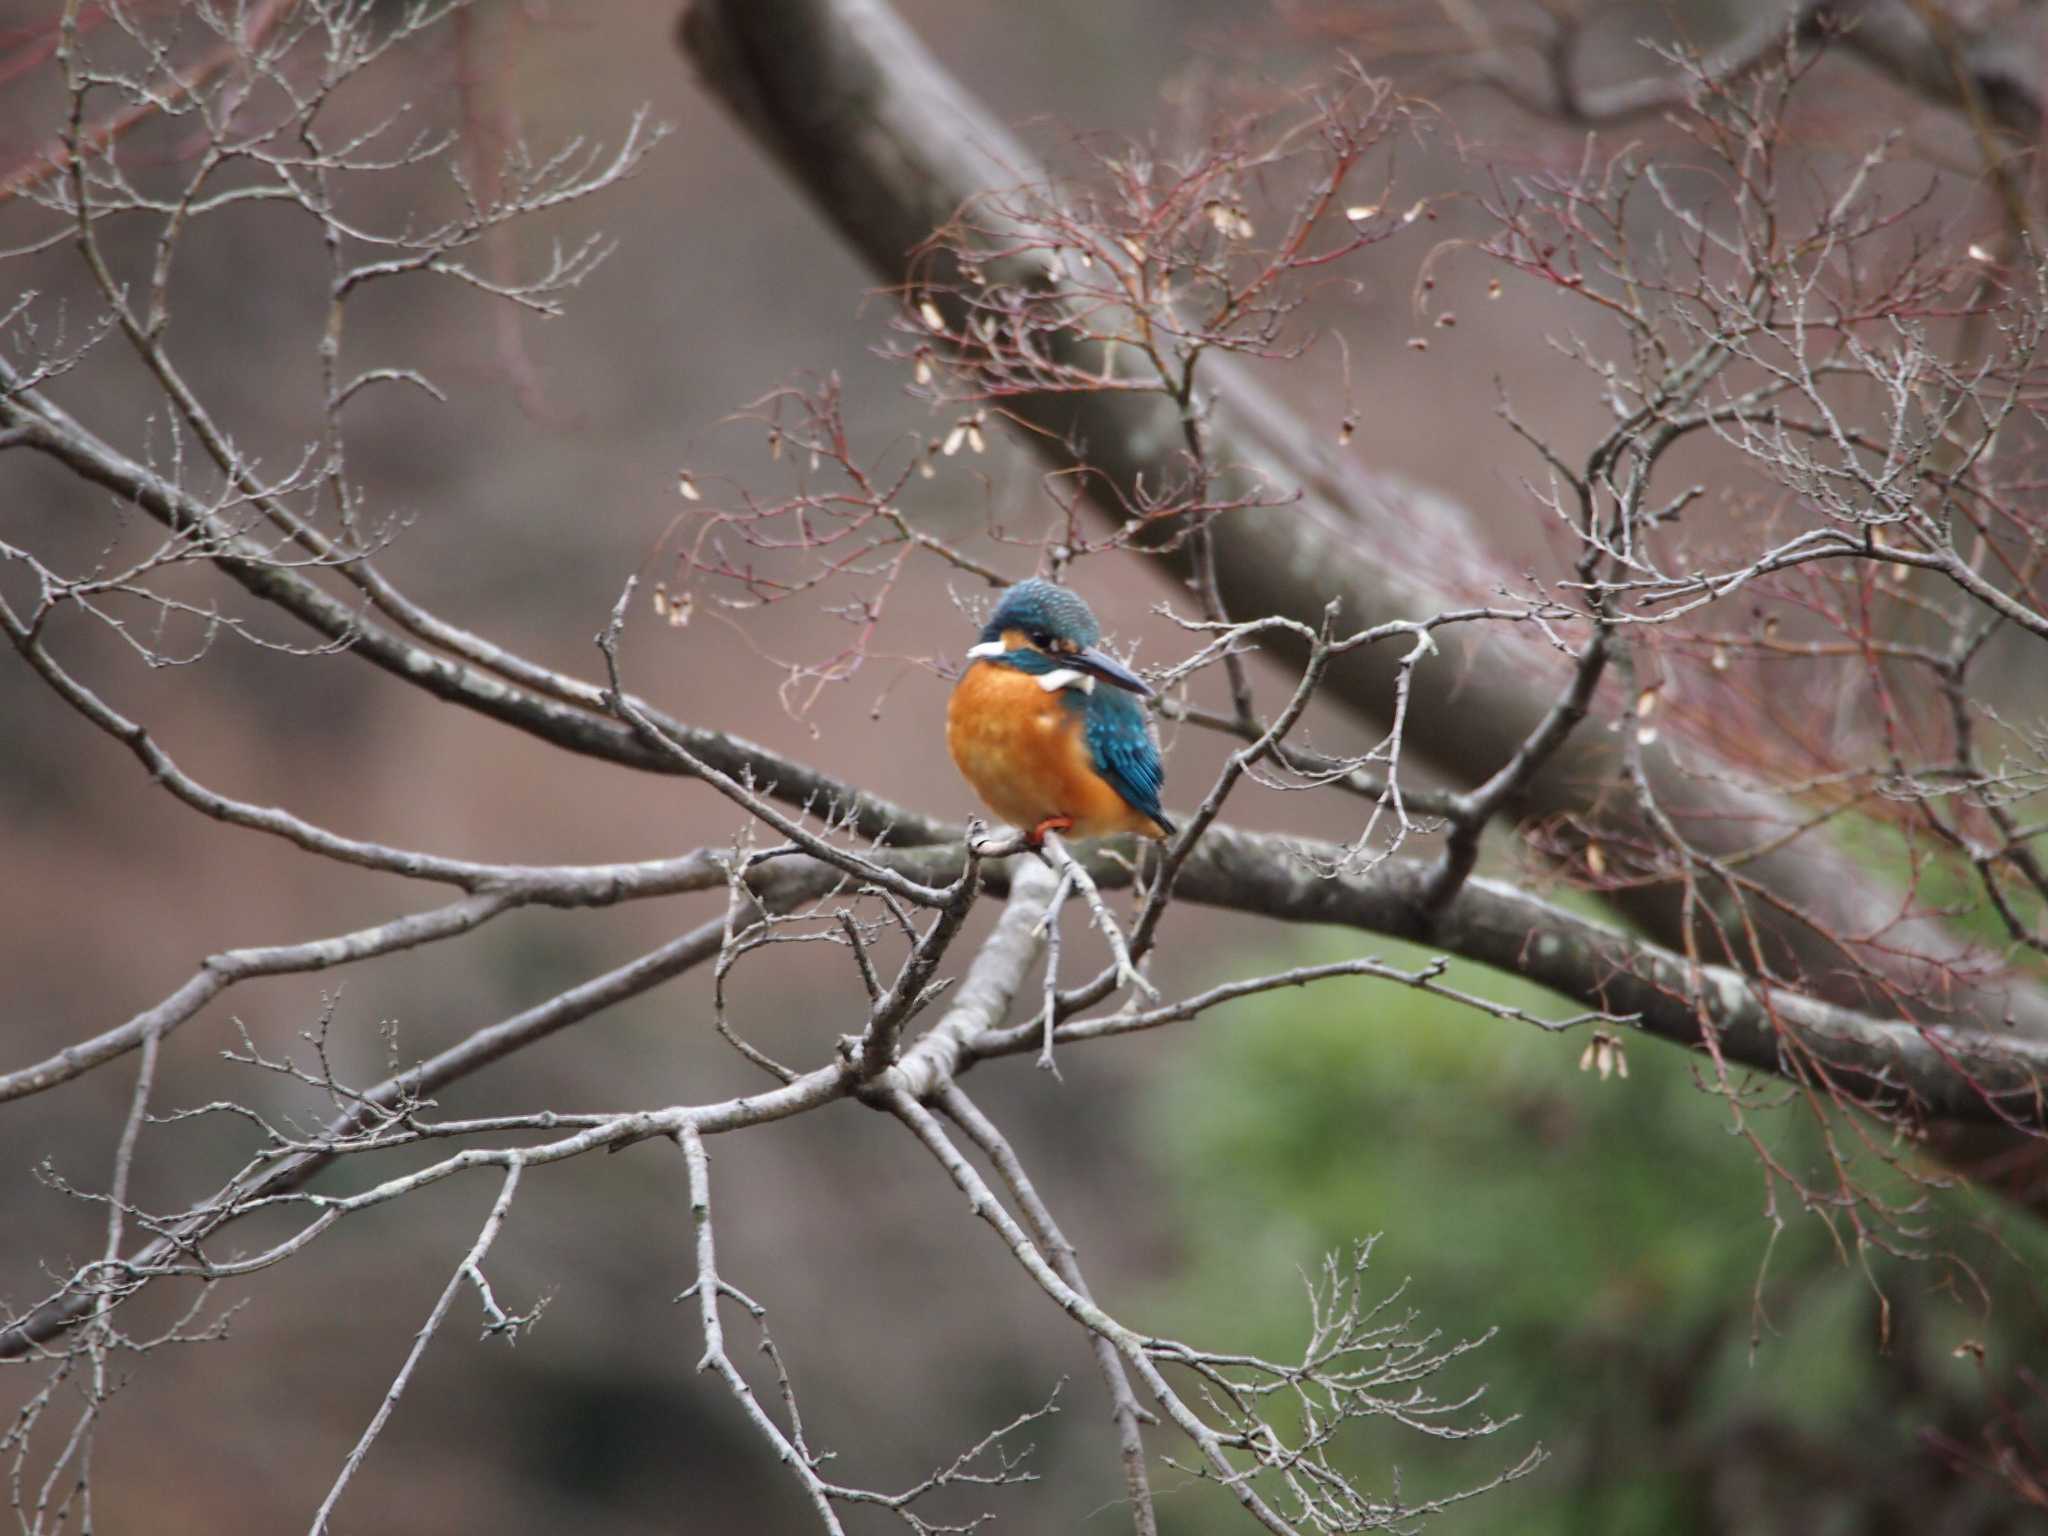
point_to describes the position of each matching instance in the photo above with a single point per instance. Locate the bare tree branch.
(468, 1271)
(1872, 399)
(1126, 1412)
(857, 111)
(585, 730)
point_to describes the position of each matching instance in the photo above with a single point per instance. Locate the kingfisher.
(1049, 730)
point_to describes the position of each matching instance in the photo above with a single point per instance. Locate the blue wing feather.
(1121, 744)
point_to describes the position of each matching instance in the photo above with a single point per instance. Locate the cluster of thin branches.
(1130, 281)
(1363, 1360)
(264, 90)
(1886, 555)
(1875, 393)
(1820, 345)
(1124, 283)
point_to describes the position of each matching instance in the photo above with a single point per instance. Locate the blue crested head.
(1041, 628)
(1042, 609)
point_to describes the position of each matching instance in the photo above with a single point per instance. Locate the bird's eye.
(1042, 638)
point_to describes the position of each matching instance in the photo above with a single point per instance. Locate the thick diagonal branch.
(844, 96)
(1965, 1067)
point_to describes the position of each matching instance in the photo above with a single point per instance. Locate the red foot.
(1036, 836)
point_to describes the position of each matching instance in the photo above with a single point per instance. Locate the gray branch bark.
(1985, 62)
(1966, 1075)
(572, 714)
(848, 101)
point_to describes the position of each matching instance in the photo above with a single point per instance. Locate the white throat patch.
(1066, 677)
(1051, 682)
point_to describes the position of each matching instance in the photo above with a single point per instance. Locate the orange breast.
(1022, 749)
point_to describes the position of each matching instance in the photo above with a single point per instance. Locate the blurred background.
(1692, 1356)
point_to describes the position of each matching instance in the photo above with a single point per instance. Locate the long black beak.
(1110, 670)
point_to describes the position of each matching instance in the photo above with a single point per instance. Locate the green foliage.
(1687, 1371)
(1943, 880)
